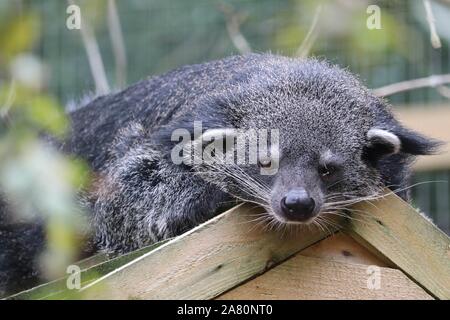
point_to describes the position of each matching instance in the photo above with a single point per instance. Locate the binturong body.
(332, 143)
(337, 144)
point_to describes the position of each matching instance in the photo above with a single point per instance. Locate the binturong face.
(312, 156)
(316, 141)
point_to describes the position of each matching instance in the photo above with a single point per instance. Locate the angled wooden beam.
(341, 247)
(229, 249)
(392, 228)
(307, 278)
(204, 262)
(91, 269)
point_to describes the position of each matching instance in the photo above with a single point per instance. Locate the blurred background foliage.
(37, 181)
(161, 35)
(44, 69)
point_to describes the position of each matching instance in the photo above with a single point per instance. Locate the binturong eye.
(265, 162)
(327, 171)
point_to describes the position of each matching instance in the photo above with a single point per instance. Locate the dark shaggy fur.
(323, 113)
(20, 244)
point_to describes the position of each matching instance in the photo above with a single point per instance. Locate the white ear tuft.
(221, 133)
(381, 136)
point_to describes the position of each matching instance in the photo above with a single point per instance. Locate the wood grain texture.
(91, 269)
(398, 232)
(432, 121)
(307, 278)
(341, 247)
(205, 261)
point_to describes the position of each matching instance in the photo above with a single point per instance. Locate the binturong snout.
(298, 205)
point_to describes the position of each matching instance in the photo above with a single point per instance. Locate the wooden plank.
(395, 230)
(341, 247)
(92, 269)
(93, 260)
(230, 249)
(205, 261)
(303, 277)
(432, 121)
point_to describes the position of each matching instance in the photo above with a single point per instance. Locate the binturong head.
(328, 144)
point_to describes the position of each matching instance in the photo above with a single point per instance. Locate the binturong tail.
(21, 243)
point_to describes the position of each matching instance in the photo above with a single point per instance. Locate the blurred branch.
(446, 2)
(434, 37)
(94, 57)
(4, 109)
(443, 91)
(431, 81)
(116, 35)
(233, 20)
(311, 36)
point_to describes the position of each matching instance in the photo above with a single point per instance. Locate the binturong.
(315, 140)
(307, 138)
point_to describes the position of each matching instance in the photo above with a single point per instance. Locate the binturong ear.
(416, 144)
(382, 142)
(210, 147)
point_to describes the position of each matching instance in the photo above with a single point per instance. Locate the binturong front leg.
(143, 197)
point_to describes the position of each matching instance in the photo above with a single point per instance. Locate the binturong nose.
(297, 205)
